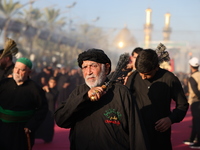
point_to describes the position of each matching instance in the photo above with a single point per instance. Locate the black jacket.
(112, 123)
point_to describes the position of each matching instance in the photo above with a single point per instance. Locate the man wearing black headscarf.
(100, 119)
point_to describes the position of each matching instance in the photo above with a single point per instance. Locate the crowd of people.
(66, 79)
(133, 114)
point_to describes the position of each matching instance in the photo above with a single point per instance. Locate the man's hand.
(46, 88)
(95, 93)
(26, 130)
(65, 85)
(163, 124)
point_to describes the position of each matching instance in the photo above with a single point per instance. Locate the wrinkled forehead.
(20, 65)
(89, 62)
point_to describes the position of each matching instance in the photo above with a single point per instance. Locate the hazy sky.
(185, 14)
(116, 14)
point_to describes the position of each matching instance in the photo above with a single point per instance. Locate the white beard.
(17, 77)
(100, 79)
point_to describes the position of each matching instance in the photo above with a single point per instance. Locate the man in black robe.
(23, 107)
(100, 119)
(154, 89)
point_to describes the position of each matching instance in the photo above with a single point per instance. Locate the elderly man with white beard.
(109, 120)
(23, 107)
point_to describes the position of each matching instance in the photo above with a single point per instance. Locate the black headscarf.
(96, 55)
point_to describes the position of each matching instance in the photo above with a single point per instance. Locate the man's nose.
(89, 70)
(17, 71)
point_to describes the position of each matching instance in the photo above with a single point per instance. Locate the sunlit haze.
(178, 18)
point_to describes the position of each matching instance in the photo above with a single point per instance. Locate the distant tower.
(148, 28)
(167, 29)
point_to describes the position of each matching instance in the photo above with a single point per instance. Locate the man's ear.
(107, 68)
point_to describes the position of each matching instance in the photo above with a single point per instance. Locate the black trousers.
(195, 133)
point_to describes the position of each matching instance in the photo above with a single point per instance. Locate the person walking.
(154, 89)
(194, 101)
(101, 119)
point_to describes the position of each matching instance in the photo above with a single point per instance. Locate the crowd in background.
(58, 83)
(66, 79)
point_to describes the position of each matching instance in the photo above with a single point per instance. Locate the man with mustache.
(100, 119)
(23, 107)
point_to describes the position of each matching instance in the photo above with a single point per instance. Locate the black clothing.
(154, 97)
(46, 129)
(51, 99)
(14, 102)
(63, 92)
(4, 73)
(111, 123)
(195, 133)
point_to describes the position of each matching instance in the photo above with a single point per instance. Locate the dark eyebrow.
(90, 64)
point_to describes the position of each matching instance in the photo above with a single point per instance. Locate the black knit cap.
(96, 55)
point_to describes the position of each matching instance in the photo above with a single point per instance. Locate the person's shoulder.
(5, 80)
(32, 83)
(134, 73)
(121, 86)
(120, 91)
(167, 72)
(197, 73)
(80, 88)
(170, 76)
(131, 78)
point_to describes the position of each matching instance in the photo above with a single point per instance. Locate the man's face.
(94, 73)
(148, 75)
(20, 72)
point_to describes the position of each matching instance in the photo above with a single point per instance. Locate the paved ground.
(180, 132)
